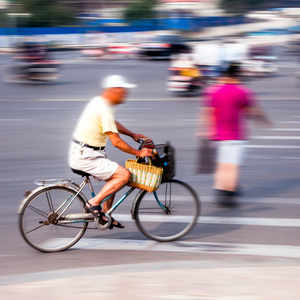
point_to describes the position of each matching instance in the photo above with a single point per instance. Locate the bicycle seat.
(81, 173)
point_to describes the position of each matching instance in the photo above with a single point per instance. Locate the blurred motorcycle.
(184, 75)
(33, 65)
(184, 80)
(42, 71)
(261, 61)
(259, 66)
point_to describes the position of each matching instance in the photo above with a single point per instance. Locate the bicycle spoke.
(169, 213)
(42, 229)
(38, 211)
(35, 228)
(50, 203)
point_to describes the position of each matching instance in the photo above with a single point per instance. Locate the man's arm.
(256, 114)
(123, 146)
(125, 131)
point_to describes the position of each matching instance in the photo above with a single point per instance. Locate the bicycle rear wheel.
(169, 213)
(40, 225)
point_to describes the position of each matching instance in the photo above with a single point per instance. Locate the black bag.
(206, 156)
(164, 159)
(166, 153)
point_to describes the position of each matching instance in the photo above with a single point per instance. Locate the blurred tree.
(3, 18)
(243, 6)
(47, 13)
(140, 10)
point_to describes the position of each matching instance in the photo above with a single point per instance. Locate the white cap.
(116, 81)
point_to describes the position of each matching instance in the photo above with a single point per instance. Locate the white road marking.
(282, 129)
(276, 222)
(275, 137)
(243, 221)
(186, 246)
(277, 157)
(259, 200)
(136, 108)
(14, 120)
(43, 108)
(251, 200)
(273, 146)
(290, 122)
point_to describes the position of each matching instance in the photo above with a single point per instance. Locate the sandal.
(94, 209)
(118, 225)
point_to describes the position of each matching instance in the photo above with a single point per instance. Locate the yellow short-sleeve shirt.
(94, 122)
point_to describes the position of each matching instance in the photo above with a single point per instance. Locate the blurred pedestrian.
(226, 107)
(87, 150)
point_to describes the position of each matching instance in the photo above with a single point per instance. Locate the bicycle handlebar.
(142, 140)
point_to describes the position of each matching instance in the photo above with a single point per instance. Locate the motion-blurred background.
(53, 55)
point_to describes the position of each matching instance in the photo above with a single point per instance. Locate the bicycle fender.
(28, 194)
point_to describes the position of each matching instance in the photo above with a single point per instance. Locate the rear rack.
(43, 182)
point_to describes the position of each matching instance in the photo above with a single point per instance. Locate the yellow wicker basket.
(144, 176)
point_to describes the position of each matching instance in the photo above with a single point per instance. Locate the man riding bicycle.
(87, 150)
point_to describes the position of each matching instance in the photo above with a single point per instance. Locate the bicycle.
(52, 217)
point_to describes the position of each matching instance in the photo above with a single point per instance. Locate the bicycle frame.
(114, 207)
(75, 218)
(77, 188)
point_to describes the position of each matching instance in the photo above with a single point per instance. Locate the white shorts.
(232, 152)
(94, 162)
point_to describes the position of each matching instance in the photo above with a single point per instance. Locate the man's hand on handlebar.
(148, 148)
(138, 137)
(145, 152)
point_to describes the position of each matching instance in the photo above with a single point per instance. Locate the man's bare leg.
(113, 184)
(119, 179)
(226, 177)
(226, 182)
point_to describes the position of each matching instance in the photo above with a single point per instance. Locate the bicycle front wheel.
(40, 222)
(169, 213)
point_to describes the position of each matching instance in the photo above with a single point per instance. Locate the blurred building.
(93, 12)
(196, 7)
(81, 6)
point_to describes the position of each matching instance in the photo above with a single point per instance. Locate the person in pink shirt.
(226, 107)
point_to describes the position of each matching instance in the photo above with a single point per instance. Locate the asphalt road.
(36, 126)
